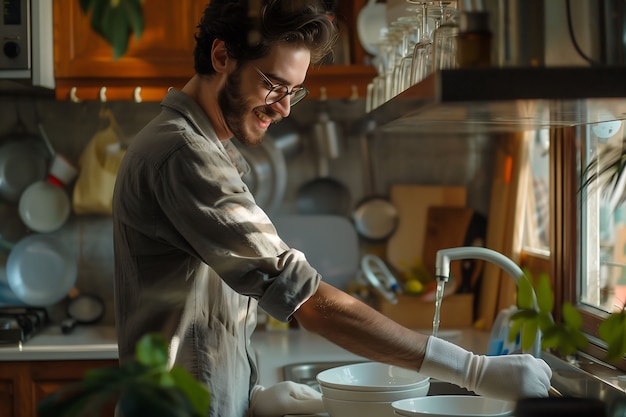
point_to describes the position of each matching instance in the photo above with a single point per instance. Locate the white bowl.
(370, 376)
(452, 405)
(342, 408)
(420, 390)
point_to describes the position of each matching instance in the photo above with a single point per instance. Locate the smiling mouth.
(268, 115)
(264, 117)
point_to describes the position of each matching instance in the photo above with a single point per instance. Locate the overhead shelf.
(504, 100)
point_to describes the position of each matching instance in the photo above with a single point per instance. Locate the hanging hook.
(73, 97)
(354, 93)
(323, 95)
(103, 94)
(137, 95)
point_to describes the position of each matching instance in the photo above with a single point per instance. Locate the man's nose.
(283, 106)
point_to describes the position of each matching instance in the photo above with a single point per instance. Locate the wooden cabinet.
(163, 57)
(24, 384)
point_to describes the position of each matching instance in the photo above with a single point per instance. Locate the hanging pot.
(267, 178)
(375, 217)
(23, 160)
(324, 194)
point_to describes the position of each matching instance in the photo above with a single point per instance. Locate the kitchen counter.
(274, 349)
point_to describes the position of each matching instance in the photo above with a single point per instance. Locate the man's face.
(242, 99)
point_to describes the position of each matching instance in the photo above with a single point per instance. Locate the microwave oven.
(26, 37)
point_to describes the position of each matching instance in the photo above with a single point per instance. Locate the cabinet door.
(6, 397)
(50, 376)
(14, 377)
(164, 50)
(161, 58)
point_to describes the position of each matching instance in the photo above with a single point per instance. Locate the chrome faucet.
(442, 272)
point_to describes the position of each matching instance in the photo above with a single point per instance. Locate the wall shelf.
(504, 100)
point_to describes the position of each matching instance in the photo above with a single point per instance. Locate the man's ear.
(219, 56)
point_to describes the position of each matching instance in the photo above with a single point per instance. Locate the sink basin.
(305, 373)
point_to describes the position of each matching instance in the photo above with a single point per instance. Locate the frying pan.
(267, 178)
(22, 162)
(324, 194)
(41, 270)
(375, 217)
(84, 308)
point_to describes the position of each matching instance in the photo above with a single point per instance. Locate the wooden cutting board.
(412, 202)
(451, 227)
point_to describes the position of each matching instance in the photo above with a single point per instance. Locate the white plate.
(453, 405)
(41, 270)
(371, 23)
(44, 207)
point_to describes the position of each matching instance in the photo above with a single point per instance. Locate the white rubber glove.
(509, 377)
(284, 398)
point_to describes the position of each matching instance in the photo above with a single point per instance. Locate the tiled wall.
(396, 158)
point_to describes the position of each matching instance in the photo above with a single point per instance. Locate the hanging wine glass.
(405, 27)
(444, 41)
(423, 52)
(414, 36)
(419, 50)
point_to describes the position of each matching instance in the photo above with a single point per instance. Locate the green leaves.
(142, 387)
(613, 332)
(564, 337)
(115, 21)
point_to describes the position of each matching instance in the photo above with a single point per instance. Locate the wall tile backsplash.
(396, 158)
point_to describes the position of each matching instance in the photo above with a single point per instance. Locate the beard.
(235, 108)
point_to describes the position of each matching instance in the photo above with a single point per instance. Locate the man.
(194, 254)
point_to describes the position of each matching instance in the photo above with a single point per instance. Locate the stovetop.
(18, 324)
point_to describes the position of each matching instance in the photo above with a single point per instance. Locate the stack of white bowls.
(368, 389)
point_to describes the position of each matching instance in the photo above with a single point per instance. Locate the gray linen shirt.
(194, 254)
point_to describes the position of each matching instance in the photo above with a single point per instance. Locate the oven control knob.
(12, 49)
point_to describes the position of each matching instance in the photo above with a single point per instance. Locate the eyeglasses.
(279, 91)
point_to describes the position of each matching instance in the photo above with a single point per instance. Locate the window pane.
(603, 217)
(537, 218)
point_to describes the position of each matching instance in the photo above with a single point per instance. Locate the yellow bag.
(98, 166)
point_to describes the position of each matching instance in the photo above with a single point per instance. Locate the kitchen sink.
(305, 373)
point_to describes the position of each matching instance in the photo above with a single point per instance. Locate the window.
(577, 233)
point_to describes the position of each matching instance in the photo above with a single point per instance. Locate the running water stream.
(438, 299)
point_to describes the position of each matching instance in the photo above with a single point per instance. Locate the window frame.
(566, 256)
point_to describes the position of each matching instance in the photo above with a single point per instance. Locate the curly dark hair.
(249, 36)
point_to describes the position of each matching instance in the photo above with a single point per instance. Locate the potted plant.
(115, 21)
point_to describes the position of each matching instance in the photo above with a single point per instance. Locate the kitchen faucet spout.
(445, 256)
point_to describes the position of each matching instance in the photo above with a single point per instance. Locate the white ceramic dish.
(340, 408)
(41, 270)
(452, 405)
(370, 376)
(44, 207)
(371, 24)
(376, 396)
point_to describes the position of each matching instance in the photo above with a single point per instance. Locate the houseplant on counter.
(141, 387)
(566, 337)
